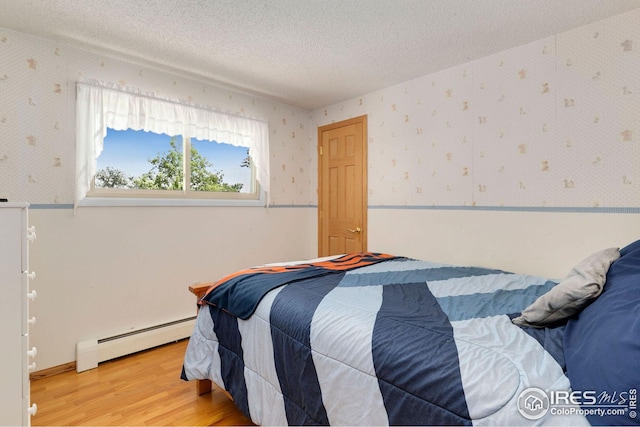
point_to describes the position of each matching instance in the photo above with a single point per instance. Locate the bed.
(378, 339)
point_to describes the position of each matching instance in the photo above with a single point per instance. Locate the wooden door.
(342, 187)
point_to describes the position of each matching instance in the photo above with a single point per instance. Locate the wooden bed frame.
(199, 289)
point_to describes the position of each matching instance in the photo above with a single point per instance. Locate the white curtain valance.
(102, 105)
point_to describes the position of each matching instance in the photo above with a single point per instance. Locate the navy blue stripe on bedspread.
(291, 315)
(416, 359)
(231, 357)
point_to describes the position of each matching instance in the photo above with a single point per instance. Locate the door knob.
(356, 230)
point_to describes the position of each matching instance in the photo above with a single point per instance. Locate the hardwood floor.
(141, 389)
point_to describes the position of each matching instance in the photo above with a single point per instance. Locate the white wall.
(111, 270)
(544, 244)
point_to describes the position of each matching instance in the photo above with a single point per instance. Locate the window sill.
(162, 202)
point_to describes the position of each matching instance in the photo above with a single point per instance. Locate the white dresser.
(16, 356)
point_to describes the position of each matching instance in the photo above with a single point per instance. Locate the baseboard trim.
(54, 370)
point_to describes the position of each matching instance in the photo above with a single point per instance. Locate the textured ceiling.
(306, 53)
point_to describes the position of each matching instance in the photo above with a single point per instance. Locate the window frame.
(186, 192)
(102, 105)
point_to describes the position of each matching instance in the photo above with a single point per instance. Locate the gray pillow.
(583, 283)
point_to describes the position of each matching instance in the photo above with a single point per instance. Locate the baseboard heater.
(93, 351)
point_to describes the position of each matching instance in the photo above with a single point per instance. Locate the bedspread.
(399, 342)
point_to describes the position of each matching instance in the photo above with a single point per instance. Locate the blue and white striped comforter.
(401, 342)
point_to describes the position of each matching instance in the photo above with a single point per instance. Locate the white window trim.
(169, 202)
(102, 105)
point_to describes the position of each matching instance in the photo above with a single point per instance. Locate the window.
(195, 137)
(147, 164)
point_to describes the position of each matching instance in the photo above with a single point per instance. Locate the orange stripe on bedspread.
(343, 263)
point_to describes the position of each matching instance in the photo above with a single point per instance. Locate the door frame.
(365, 142)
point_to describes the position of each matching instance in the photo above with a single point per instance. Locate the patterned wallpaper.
(37, 119)
(554, 123)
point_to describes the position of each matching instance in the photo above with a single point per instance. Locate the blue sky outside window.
(130, 151)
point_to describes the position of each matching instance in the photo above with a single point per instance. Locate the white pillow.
(583, 283)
